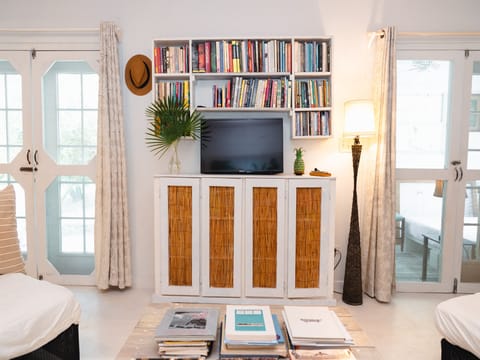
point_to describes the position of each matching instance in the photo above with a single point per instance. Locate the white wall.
(348, 21)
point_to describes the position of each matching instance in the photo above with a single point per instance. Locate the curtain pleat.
(112, 242)
(378, 230)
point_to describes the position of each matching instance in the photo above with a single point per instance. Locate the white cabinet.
(244, 238)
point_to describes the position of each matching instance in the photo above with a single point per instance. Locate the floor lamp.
(358, 120)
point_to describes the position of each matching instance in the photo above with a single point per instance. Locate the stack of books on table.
(251, 332)
(186, 333)
(316, 332)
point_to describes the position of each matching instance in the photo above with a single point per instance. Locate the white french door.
(48, 129)
(438, 177)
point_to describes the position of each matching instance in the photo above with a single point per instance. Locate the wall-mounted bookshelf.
(289, 75)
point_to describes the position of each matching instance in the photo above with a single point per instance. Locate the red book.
(208, 50)
(230, 57)
(201, 57)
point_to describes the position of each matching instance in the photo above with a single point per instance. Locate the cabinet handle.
(461, 174)
(28, 157)
(35, 157)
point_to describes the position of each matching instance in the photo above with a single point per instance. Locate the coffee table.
(141, 342)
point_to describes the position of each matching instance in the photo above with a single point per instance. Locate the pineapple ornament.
(299, 164)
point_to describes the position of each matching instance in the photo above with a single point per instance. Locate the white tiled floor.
(402, 329)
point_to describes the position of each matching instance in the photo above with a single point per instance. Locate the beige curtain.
(112, 242)
(378, 230)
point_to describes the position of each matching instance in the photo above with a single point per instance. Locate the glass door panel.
(65, 159)
(423, 93)
(419, 218)
(428, 103)
(473, 161)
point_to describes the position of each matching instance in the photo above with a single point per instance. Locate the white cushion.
(458, 320)
(32, 313)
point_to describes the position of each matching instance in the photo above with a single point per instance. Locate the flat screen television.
(242, 146)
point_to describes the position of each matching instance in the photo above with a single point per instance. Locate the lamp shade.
(359, 118)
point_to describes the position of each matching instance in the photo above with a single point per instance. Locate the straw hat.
(138, 74)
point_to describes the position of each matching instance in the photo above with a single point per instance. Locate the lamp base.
(352, 283)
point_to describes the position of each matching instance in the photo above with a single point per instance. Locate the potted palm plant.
(171, 120)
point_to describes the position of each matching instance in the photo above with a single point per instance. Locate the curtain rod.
(64, 30)
(426, 33)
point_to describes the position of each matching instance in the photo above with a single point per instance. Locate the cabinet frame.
(279, 185)
(327, 241)
(236, 185)
(162, 280)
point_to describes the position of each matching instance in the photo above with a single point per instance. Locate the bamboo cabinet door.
(221, 210)
(310, 237)
(177, 229)
(264, 237)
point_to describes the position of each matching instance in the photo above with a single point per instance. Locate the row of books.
(242, 56)
(312, 93)
(312, 56)
(250, 332)
(252, 93)
(171, 59)
(312, 123)
(177, 89)
(218, 56)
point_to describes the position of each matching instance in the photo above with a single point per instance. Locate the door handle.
(28, 169)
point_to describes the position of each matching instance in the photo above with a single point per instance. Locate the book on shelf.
(188, 324)
(315, 326)
(249, 322)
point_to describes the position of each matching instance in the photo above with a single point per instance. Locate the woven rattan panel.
(180, 235)
(307, 247)
(221, 236)
(264, 237)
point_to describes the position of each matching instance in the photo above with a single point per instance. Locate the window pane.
(14, 91)
(70, 222)
(69, 128)
(474, 125)
(419, 215)
(11, 123)
(71, 122)
(470, 271)
(90, 91)
(69, 91)
(422, 113)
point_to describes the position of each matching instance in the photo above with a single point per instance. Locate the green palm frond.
(170, 120)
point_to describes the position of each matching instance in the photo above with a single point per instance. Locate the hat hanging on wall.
(138, 74)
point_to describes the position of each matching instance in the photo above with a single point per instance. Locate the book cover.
(208, 54)
(187, 324)
(243, 350)
(249, 322)
(201, 57)
(236, 344)
(314, 324)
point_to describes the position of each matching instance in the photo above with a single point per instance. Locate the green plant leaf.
(170, 120)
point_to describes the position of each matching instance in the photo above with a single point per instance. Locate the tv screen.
(242, 146)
